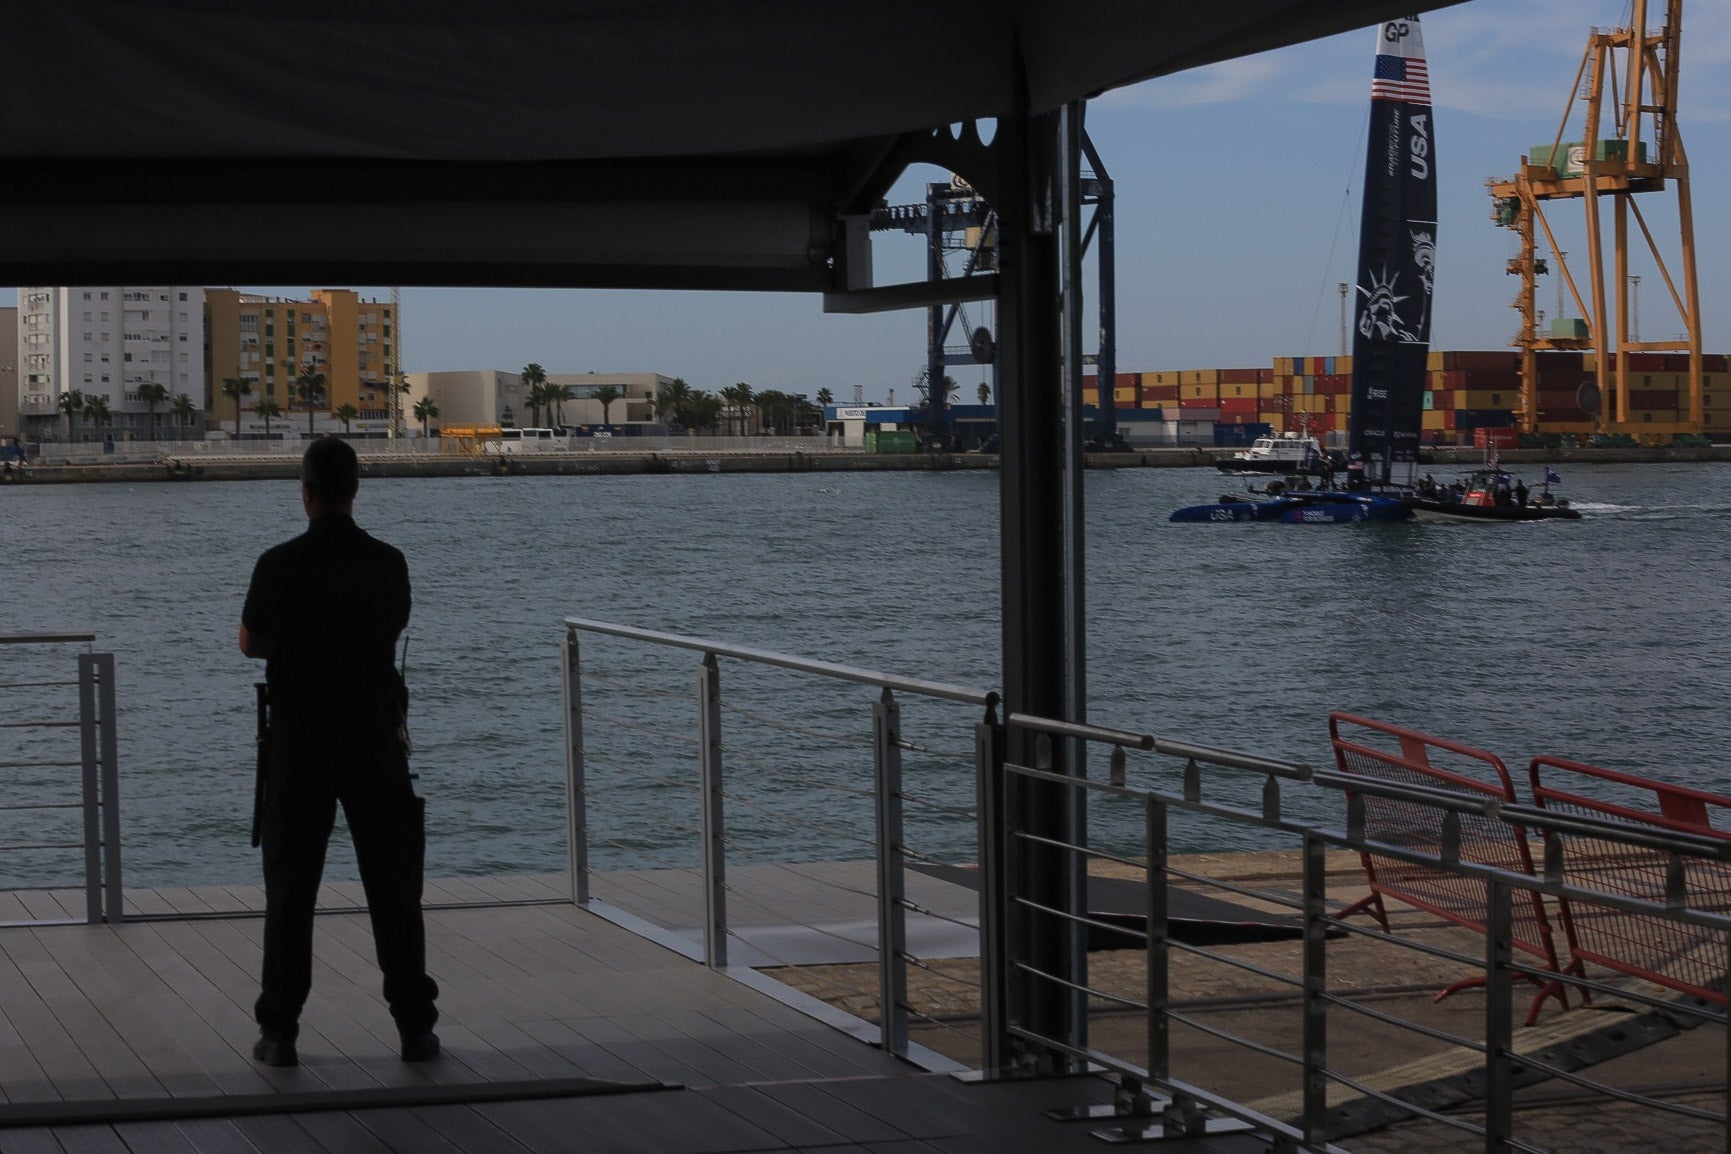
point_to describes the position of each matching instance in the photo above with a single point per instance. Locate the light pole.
(1343, 290)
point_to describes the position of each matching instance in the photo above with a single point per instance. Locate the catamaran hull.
(1327, 509)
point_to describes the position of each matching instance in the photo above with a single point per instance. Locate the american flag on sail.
(1401, 79)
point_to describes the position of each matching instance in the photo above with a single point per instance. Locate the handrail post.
(892, 888)
(1157, 944)
(1315, 1088)
(108, 747)
(714, 818)
(1499, 1013)
(576, 774)
(994, 954)
(90, 761)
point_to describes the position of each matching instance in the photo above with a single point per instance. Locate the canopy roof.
(532, 141)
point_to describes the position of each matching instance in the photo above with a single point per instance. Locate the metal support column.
(1035, 654)
(576, 776)
(892, 888)
(714, 818)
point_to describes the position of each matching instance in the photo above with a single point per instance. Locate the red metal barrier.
(1669, 953)
(1390, 753)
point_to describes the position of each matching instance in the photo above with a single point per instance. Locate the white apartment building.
(108, 341)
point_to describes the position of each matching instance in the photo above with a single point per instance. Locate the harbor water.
(1603, 640)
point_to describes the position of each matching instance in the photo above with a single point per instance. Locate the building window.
(182, 296)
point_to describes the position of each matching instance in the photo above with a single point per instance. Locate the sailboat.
(1396, 273)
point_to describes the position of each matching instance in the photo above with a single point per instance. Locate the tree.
(310, 388)
(535, 380)
(154, 394)
(739, 397)
(267, 409)
(557, 395)
(985, 393)
(607, 394)
(345, 413)
(72, 404)
(96, 410)
(183, 410)
(670, 398)
(236, 389)
(425, 410)
(825, 397)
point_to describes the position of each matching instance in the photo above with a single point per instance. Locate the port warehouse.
(1470, 398)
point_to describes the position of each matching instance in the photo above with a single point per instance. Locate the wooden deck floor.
(562, 1031)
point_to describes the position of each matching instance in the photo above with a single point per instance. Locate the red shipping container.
(1502, 438)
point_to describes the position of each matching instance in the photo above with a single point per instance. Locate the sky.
(1237, 208)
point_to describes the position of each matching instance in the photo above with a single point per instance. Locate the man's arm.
(254, 644)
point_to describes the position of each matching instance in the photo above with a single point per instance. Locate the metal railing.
(765, 793)
(634, 738)
(1157, 1099)
(58, 819)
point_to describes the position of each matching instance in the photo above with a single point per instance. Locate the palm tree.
(267, 409)
(825, 397)
(236, 390)
(154, 394)
(71, 403)
(345, 413)
(607, 394)
(670, 399)
(183, 410)
(96, 409)
(425, 410)
(557, 395)
(310, 388)
(535, 380)
(985, 393)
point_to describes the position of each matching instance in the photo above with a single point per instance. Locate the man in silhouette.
(324, 610)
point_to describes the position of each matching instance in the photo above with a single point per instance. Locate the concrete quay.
(137, 464)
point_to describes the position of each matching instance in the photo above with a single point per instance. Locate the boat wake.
(1658, 512)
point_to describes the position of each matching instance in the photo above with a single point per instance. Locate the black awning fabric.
(514, 80)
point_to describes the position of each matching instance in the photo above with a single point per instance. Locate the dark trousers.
(387, 822)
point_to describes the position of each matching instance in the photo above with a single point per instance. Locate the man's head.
(330, 476)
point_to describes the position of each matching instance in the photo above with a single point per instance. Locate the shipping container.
(1242, 376)
(1484, 418)
(1488, 398)
(1433, 420)
(1655, 398)
(1502, 438)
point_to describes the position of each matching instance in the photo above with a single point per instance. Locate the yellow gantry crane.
(1631, 75)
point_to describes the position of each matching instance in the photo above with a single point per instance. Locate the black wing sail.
(1396, 256)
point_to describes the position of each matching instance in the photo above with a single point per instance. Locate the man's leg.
(297, 829)
(388, 824)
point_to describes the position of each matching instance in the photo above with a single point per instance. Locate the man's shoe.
(420, 1047)
(275, 1051)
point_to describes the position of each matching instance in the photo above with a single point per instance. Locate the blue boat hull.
(1300, 509)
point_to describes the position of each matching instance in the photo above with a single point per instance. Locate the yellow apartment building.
(269, 341)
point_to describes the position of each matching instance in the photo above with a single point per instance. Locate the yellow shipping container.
(1509, 398)
(1159, 378)
(1283, 366)
(1200, 377)
(1434, 362)
(1433, 419)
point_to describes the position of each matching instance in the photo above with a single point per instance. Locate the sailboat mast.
(1396, 257)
